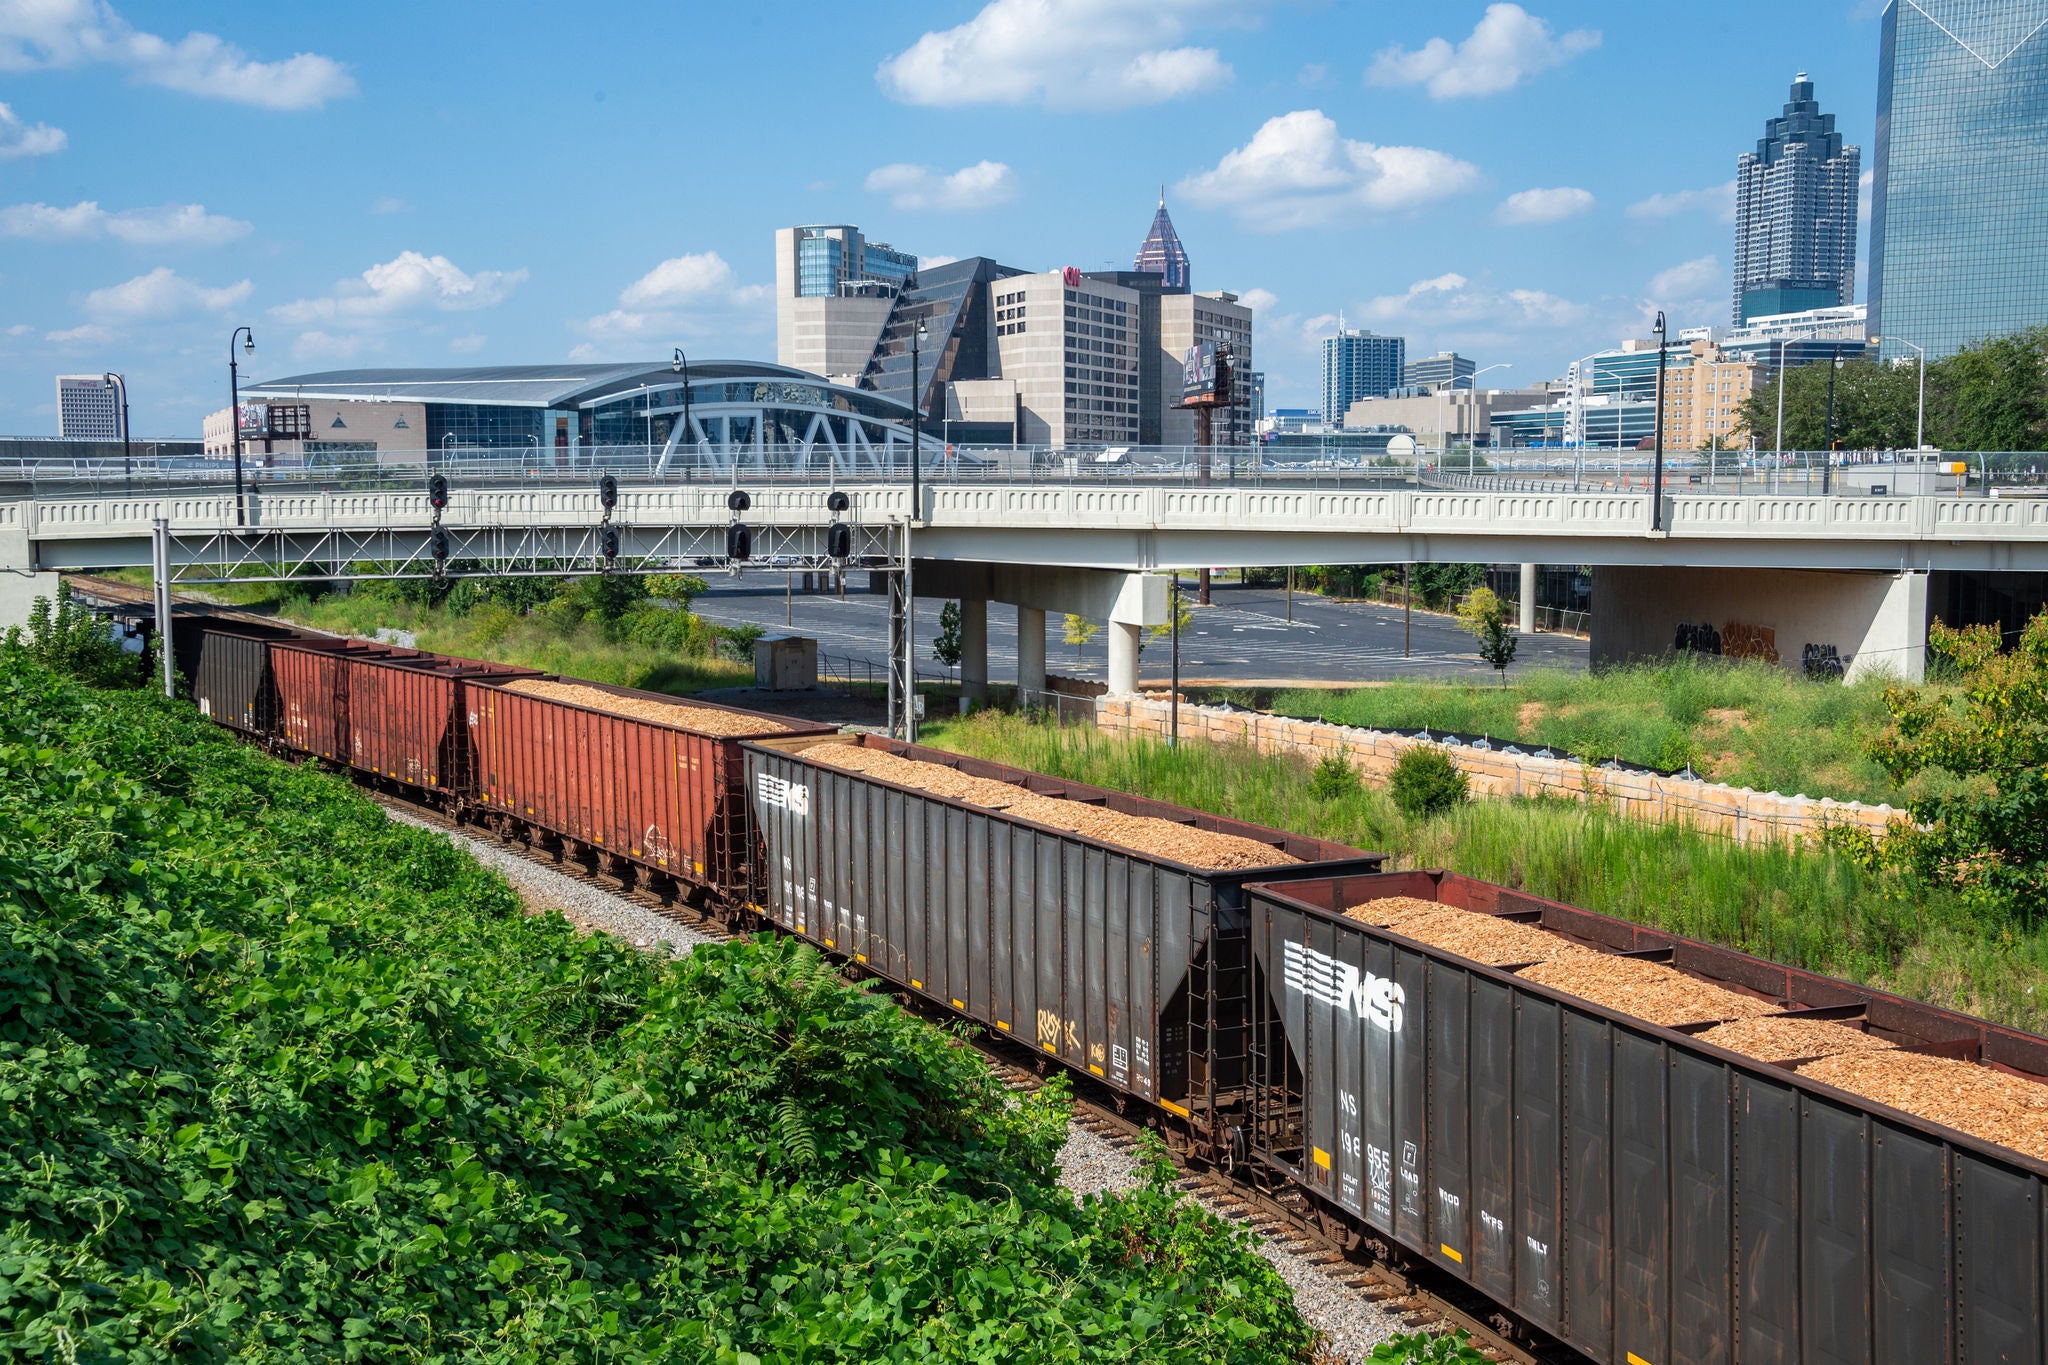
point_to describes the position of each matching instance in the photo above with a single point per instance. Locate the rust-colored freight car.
(1633, 1189)
(231, 682)
(659, 794)
(402, 710)
(312, 693)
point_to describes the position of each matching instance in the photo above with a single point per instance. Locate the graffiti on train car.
(1323, 978)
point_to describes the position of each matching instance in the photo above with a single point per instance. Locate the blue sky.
(438, 184)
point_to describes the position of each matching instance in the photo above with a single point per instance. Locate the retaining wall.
(1739, 813)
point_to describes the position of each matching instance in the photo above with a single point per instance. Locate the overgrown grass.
(1750, 724)
(1807, 907)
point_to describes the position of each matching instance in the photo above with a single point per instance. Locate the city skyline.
(358, 204)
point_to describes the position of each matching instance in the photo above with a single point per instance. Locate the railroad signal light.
(738, 501)
(839, 540)
(836, 501)
(438, 542)
(437, 492)
(608, 492)
(739, 542)
(609, 542)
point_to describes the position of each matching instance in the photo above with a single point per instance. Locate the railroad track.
(1407, 1297)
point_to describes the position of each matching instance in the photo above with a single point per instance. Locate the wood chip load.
(1961, 1095)
(1486, 939)
(705, 720)
(1649, 991)
(1167, 839)
(1790, 1040)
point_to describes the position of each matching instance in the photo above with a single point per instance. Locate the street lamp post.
(681, 365)
(1471, 449)
(1827, 456)
(1657, 457)
(1920, 421)
(127, 463)
(235, 415)
(1778, 451)
(916, 424)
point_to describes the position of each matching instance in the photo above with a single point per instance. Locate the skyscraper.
(1162, 253)
(833, 291)
(88, 408)
(1795, 213)
(1959, 199)
(1359, 365)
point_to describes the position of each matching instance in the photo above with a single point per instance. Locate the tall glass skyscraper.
(1795, 213)
(1959, 203)
(1359, 365)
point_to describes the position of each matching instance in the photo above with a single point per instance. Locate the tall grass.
(1806, 907)
(1747, 723)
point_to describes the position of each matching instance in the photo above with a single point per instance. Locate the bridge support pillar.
(1527, 625)
(1123, 657)
(1841, 623)
(19, 589)
(974, 649)
(1030, 656)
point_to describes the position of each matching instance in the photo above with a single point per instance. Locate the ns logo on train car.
(783, 794)
(1321, 977)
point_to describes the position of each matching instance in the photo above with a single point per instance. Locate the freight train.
(1643, 1149)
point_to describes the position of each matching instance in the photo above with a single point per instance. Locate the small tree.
(946, 648)
(738, 641)
(67, 637)
(1485, 617)
(1425, 781)
(1080, 630)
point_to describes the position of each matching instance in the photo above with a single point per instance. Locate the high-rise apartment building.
(833, 292)
(1959, 198)
(1703, 398)
(1162, 254)
(1218, 318)
(1359, 365)
(1795, 213)
(1444, 370)
(88, 408)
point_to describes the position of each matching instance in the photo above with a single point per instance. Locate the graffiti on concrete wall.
(1696, 639)
(1740, 640)
(1821, 661)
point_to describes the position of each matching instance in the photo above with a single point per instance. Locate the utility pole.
(1173, 686)
(1827, 466)
(1407, 610)
(1657, 459)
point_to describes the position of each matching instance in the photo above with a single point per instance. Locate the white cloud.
(1507, 45)
(1717, 201)
(166, 225)
(691, 295)
(319, 345)
(467, 345)
(19, 138)
(1865, 183)
(1298, 171)
(921, 189)
(162, 293)
(1452, 304)
(1066, 54)
(90, 334)
(1544, 206)
(408, 283)
(1687, 280)
(21, 329)
(1259, 300)
(385, 203)
(38, 34)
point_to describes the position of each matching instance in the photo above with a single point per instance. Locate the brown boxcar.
(1126, 966)
(312, 693)
(660, 795)
(1635, 1192)
(402, 709)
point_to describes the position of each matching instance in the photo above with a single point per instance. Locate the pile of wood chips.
(1649, 991)
(1485, 939)
(1961, 1095)
(1786, 1040)
(704, 720)
(1167, 839)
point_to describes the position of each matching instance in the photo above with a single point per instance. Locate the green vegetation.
(1484, 617)
(1437, 587)
(1987, 396)
(281, 1079)
(1419, 1348)
(1816, 908)
(1425, 782)
(1332, 778)
(68, 638)
(1980, 752)
(1745, 723)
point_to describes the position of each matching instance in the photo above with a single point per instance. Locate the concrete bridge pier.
(1030, 654)
(1127, 601)
(1864, 623)
(974, 648)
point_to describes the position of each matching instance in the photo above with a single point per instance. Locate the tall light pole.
(1919, 422)
(1778, 451)
(916, 423)
(1827, 456)
(681, 365)
(1657, 458)
(127, 464)
(1471, 452)
(235, 415)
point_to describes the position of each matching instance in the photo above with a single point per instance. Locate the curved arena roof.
(527, 386)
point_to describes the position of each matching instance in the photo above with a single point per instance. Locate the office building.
(1158, 375)
(951, 303)
(1704, 390)
(1795, 213)
(1444, 370)
(1070, 345)
(1255, 395)
(833, 292)
(562, 416)
(1795, 338)
(1186, 320)
(1444, 417)
(1162, 254)
(88, 407)
(1959, 195)
(1359, 365)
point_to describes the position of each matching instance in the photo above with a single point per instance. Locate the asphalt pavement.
(1245, 637)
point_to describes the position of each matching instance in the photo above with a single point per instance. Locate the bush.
(1426, 782)
(69, 638)
(1333, 778)
(1420, 1348)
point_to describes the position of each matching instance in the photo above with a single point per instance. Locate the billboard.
(1204, 376)
(255, 419)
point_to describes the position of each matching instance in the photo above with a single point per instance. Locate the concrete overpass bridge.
(1775, 576)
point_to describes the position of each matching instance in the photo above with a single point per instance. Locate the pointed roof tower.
(1162, 253)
